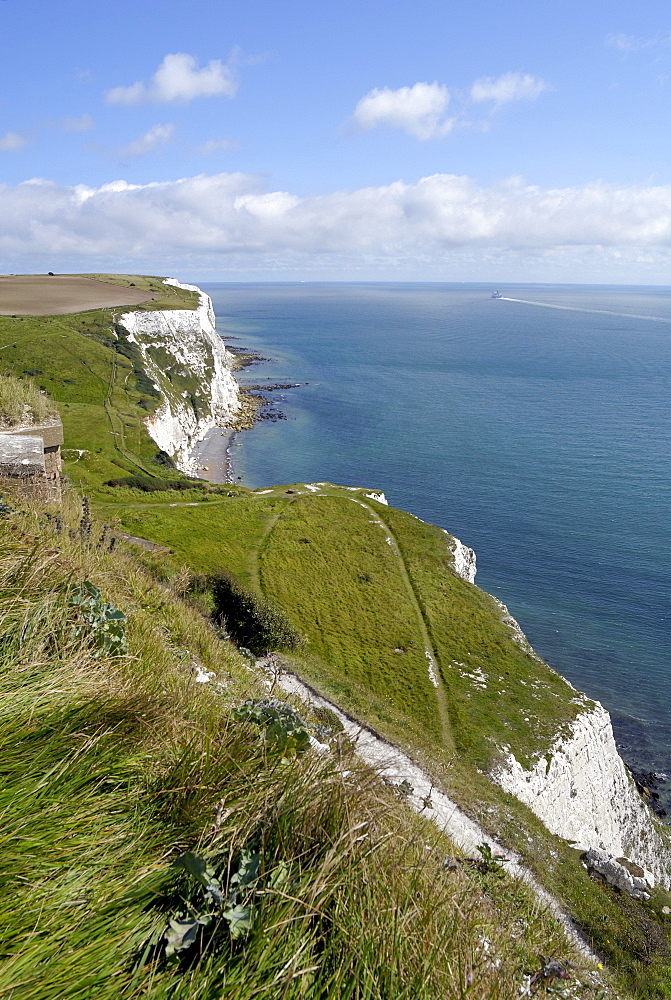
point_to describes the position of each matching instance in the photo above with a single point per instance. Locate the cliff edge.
(186, 358)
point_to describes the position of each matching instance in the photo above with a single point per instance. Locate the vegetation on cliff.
(350, 896)
(22, 404)
(158, 843)
(97, 378)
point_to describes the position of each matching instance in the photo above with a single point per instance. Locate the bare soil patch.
(48, 295)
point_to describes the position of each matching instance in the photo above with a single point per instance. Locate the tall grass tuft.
(21, 403)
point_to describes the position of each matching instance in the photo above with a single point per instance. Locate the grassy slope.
(97, 390)
(113, 766)
(341, 588)
(328, 564)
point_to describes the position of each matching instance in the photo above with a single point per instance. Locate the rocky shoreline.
(212, 456)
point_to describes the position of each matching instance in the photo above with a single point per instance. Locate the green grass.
(327, 563)
(481, 665)
(168, 296)
(114, 766)
(103, 394)
(329, 566)
(22, 403)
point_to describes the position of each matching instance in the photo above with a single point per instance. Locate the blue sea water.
(537, 428)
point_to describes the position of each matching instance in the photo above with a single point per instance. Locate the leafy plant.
(490, 862)
(105, 622)
(236, 907)
(284, 730)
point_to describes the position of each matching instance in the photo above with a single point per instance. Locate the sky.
(422, 141)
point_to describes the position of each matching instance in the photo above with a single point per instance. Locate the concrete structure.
(32, 452)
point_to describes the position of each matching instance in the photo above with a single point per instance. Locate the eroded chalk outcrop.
(463, 559)
(580, 787)
(581, 790)
(186, 340)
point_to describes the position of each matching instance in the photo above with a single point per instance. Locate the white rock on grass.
(615, 873)
(581, 790)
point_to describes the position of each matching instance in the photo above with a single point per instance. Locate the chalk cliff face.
(581, 790)
(463, 558)
(184, 341)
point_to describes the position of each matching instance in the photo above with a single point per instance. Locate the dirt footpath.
(48, 295)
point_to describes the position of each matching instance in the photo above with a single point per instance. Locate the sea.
(536, 427)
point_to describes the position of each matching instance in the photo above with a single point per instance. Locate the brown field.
(48, 295)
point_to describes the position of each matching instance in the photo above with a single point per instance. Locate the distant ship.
(497, 295)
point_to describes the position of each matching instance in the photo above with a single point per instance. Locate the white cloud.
(10, 142)
(179, 80)
(418, 110)
(507, 87)
(83, 123)
(157, 135)
(217, 146)
(225, 219)
(421, 110)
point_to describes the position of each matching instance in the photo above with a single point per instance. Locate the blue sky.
(396, 140)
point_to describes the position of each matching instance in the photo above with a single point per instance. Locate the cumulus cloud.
(156, 136)
(507, 88)
(421, 110)
(221, 218)
(10, 142)
(179, 80)
(418, 110)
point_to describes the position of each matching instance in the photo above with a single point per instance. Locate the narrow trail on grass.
(394, 765)
(254, 561)
(429, 652)
(119, 435)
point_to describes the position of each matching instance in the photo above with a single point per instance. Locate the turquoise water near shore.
(537, 428)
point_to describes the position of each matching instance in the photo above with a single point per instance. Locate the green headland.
(134, 794)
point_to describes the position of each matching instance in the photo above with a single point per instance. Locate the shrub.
(163, 458)
(138, 482)
(144, 384)
(250, 619)
(149, 484)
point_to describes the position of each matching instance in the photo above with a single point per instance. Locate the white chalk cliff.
(463, 559)
(190, 339)
(581, 790)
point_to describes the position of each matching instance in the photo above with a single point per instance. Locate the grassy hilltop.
(96, 377)
(124, 762)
